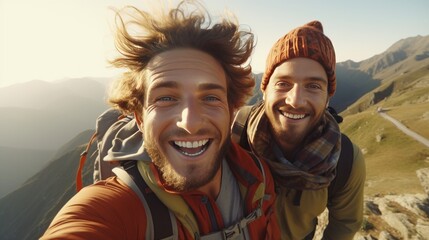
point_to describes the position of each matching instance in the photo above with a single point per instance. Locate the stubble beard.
(186, 182)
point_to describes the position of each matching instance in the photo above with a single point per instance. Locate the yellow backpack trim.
(175, 203)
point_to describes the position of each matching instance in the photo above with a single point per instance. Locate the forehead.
(181, 64)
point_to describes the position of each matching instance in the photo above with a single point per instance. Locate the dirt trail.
(404, 129)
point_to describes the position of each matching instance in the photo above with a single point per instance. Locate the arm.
(346, 210)
(106, 210)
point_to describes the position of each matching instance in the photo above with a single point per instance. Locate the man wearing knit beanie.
(301, 140)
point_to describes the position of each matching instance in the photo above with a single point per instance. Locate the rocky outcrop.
(423, 175)
(392, 217)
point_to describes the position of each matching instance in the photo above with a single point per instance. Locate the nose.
(191, 119)
(295, 97)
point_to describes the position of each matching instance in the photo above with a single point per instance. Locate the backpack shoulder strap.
(83, 155)
(161, 222)
(344, 167)
(163, 225)
(237, 231)
(238, 133)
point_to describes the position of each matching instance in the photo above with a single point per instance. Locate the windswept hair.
(182, 27)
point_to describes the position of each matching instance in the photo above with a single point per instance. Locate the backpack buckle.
(232, 232)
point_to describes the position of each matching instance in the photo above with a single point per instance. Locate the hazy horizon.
(50, 40)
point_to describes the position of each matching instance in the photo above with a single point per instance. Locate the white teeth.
(193, 154)
(294, 116)
(189, 144)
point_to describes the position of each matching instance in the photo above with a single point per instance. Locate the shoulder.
(106, 194)
(358, 160)
(107, 208)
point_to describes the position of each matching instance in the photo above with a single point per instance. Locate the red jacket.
(111, 210)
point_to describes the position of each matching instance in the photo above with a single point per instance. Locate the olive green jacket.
(345, 209)
(297, 210)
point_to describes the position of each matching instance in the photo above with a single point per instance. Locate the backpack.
(106, 127)
(345, 161)
(163, 226)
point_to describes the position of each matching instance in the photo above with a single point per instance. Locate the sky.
(56, 39)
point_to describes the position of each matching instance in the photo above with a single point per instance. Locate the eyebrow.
(318, 79)
(165, 84)
(174, 84)
(211, 86)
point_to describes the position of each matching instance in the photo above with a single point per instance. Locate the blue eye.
(282, 85)
(164, 99)
(211, 98)
(315, 86)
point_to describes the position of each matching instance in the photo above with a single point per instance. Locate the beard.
(192, 178)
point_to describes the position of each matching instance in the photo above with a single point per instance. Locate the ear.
(139, 121)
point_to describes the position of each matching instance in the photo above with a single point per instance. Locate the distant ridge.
(27, 212)
(18, 164)
(388, 80)
(45, 115)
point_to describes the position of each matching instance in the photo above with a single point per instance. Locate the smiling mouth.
(293, 116)
(191, 148)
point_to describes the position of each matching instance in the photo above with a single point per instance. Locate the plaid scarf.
(314, 163)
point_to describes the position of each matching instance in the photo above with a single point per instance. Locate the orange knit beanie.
(307, 41)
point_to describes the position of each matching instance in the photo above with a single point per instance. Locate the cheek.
(222, 120)
(272, 98)
(320, 105)
(151, 126)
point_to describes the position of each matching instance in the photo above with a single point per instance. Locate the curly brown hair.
(187, 26)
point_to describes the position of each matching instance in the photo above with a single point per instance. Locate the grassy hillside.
(391, 156)
(392, 162)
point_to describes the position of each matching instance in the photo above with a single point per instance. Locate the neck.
(212, 188)
(287, 150)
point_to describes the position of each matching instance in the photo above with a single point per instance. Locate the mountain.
(392, 158)
(355, 79)
(18, 164)
(38, 117)
(44, 115)
(404, 56)
(257, 93)
(396, 69)
(27, 212)
(396, 81)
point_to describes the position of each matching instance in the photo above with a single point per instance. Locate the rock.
(384, 235)
(423, 175)
(379, 137)
(393, 216)
(382, 204)
(416, 203)
(322, 221)
(424, 207)
(366, 237)
(400, 222)
(371, 207)
(422, 228)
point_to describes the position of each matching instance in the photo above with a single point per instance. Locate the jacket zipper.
(210, 210)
